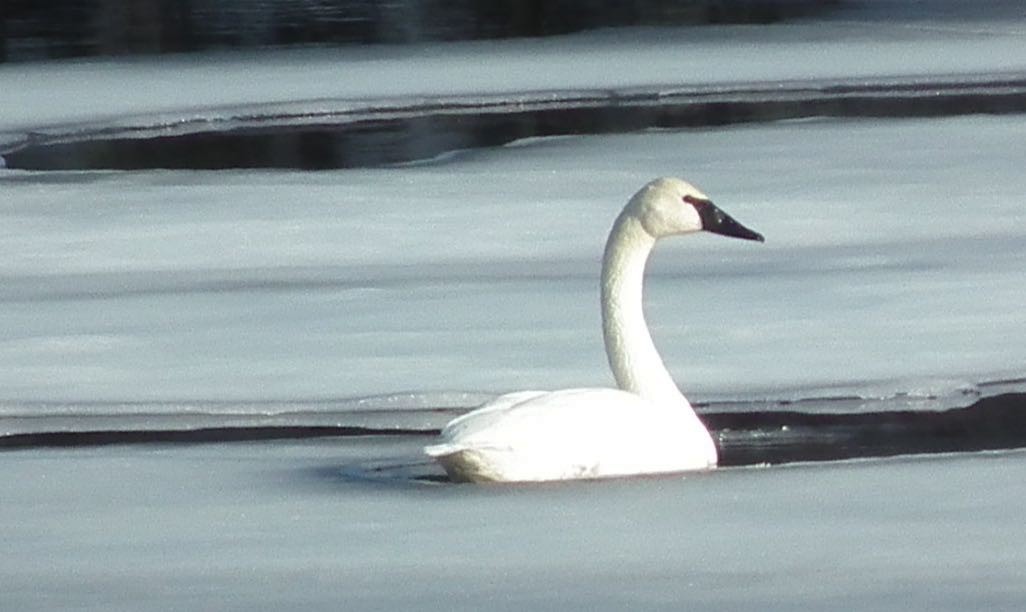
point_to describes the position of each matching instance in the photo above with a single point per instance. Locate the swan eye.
(698, 203)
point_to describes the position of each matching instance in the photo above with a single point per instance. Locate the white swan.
(646, 426)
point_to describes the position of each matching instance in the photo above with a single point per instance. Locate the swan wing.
(497, 405)
(457, 432)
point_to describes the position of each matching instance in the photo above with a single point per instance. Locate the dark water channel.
(745, 437)
(32, 30)
(402, 131)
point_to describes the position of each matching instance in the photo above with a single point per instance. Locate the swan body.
(646, 426)
(569, 434)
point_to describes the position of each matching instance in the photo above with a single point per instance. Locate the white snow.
(893, 262)
(279, 526)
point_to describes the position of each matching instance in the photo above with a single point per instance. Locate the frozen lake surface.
(392, 298)
(284, 526)
(893, 264)
(152, 300)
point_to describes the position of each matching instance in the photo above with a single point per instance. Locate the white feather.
(646, 426)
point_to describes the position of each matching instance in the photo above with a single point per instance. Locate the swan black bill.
(718, 222)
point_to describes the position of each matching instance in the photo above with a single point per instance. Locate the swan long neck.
(633, 357)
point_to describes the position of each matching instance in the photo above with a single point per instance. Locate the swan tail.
(463, 464)
(441, 450)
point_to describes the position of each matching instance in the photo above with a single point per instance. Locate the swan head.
(670, 206)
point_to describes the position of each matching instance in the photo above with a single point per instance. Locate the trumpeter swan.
(646, 426)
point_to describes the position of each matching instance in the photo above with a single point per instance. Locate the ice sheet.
(893, 265)
(281, 526)
(893, 262)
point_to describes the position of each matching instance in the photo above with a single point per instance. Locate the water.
(405, 131)
(66, 29)
(212, 90)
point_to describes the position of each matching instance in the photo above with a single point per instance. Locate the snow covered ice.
(885, 245)
(182, 299)
(275, 525)
(893, 263)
